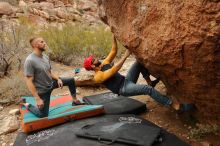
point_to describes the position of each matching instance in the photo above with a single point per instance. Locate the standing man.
(108, 75)
(41, 80)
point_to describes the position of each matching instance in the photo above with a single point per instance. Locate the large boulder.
(37, 20)
(5, 8)
(22, 4)
(178, 41)
(62, 14)
(46, 5)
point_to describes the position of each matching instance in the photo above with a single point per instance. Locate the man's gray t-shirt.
(39, 68)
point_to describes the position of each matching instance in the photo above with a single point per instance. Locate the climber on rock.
(107, 74)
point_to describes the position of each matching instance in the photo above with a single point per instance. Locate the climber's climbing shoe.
(154, 82)
(186, 107)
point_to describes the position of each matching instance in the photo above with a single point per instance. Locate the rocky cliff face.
(178, 41)
(44, 12)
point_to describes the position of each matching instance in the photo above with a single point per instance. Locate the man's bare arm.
(113, 52)
(54, 76)
(32, 89)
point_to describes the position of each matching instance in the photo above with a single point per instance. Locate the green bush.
(72, 43)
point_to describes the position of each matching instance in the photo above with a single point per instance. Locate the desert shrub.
(73, 42)
(12, 88)
(13, 44)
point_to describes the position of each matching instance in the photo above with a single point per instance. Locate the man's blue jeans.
(43, 112)
(130, 88)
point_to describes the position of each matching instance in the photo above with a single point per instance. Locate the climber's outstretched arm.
(113, 52)
(101, 76)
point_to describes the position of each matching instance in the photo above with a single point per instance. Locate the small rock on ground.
(9, 124)
(14, 112)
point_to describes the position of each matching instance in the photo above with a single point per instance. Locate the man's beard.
(42, 49)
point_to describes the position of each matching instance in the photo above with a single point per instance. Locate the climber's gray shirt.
(39, 68)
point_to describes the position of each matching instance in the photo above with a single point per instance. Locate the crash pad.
(115, 104)
(132, 133)
(65, 134)
(61, 110)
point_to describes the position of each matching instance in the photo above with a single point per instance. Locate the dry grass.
(12, 88)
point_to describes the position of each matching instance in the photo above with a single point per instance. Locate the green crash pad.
(59, 106)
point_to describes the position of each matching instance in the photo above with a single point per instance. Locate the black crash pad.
(114, 104)
(64, 135)
(126, 132)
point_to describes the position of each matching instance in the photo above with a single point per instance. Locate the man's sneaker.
(22, 101)
(77, 102)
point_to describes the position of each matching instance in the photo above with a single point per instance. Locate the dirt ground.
(158, 114)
